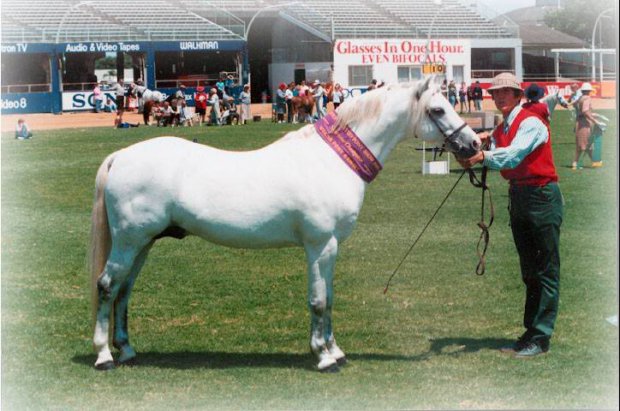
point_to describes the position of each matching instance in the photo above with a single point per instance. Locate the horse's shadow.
(182, 360)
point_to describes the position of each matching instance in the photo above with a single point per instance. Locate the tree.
(577, 18)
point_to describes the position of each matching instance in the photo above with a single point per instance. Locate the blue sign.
(19, 103)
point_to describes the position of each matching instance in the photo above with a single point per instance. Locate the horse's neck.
(383, 133)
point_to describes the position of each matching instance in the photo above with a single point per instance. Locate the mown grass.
(218, 328)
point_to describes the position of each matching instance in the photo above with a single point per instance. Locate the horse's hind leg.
(121, 333)
(114, 275)
(321, 261)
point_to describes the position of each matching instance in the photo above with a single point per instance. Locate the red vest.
(539, 109)
(537, 169)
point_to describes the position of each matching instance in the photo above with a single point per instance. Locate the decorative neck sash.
(349, 147)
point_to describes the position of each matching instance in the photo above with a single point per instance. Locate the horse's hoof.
(332, 369)
(341, 361)
(105, 366)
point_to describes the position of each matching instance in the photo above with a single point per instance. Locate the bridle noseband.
(450, 138)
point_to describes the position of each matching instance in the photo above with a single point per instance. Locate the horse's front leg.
(321, 261)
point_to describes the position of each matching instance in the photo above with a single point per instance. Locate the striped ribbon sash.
(349, 147)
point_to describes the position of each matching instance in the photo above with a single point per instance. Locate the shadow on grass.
(182, 360)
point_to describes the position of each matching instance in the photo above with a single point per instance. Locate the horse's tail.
(100, 238)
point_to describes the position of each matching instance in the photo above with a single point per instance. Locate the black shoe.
(532, 349)
(515, 347)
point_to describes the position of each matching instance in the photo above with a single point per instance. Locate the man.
(477, 96)
(119, 92)
(521, 149)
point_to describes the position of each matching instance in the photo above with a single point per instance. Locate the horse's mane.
(369, 106)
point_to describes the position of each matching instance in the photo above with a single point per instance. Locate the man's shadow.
(182, 360)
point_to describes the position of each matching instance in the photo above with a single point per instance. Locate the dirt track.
(89, 119)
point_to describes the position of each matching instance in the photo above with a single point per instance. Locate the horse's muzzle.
(463, 144)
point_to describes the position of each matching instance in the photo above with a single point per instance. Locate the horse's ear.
(423, 86)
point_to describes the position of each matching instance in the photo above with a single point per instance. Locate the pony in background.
(299, 191)
(302, 108)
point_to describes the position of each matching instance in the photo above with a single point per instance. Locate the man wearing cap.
(318, 93)
(521, 149)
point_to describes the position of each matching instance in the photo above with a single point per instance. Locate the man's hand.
(471, 161)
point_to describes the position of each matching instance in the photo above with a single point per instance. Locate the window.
(458, 74)
(409, 73)
(360, 75)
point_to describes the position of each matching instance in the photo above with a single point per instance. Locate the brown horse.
(302, 108)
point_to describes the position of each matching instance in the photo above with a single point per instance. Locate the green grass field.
(219, 328)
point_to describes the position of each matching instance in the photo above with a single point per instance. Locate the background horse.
(293, 192)
(302, 108)
(145, 94)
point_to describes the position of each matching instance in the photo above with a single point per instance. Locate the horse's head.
(438, 122)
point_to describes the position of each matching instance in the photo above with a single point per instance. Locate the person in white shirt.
(318, 93)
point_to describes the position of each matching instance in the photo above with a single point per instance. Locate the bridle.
(450, 138)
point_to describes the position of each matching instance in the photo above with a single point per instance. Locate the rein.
(484, 235)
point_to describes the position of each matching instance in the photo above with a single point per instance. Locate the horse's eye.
(437, 110)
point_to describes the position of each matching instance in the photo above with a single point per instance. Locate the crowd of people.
(302, 102)
(463, 95)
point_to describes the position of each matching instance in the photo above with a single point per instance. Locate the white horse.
(146, 94)
(294, 192)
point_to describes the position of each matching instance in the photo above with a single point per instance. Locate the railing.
(488, 74)
(25, 88)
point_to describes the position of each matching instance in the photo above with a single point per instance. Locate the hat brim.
(504, 86)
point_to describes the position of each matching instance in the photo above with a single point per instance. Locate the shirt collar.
(508, 121)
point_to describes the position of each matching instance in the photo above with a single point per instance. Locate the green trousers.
(535, 218)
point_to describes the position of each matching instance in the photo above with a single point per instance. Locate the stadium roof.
(62, 21)
(535, 33)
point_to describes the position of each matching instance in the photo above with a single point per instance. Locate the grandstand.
(56, 21)
(191, 42)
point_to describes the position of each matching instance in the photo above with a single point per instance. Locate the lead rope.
(484, 227)
(484, 235)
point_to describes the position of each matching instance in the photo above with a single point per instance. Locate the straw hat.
(505, 80)
(586, 87)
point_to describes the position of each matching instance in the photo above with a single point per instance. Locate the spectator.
(164, 115)
(180, 93)
(185, 114)
(229, 84)
(470, 97)
(328, 95)
(533, 94)
(110, 106)
(214, 103)
(127, 125)
(318, 93)
(372, 85)
(452, 93)
(583, 127)
(463, 96)
(338, 96)
(200, 103)
(99, 97)
(288, 95)
(22, 131)
(444, 88)
(119, 91)
(280, 102)
(521, 149)
(245, 104)
(303, 88)
(477, 96)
